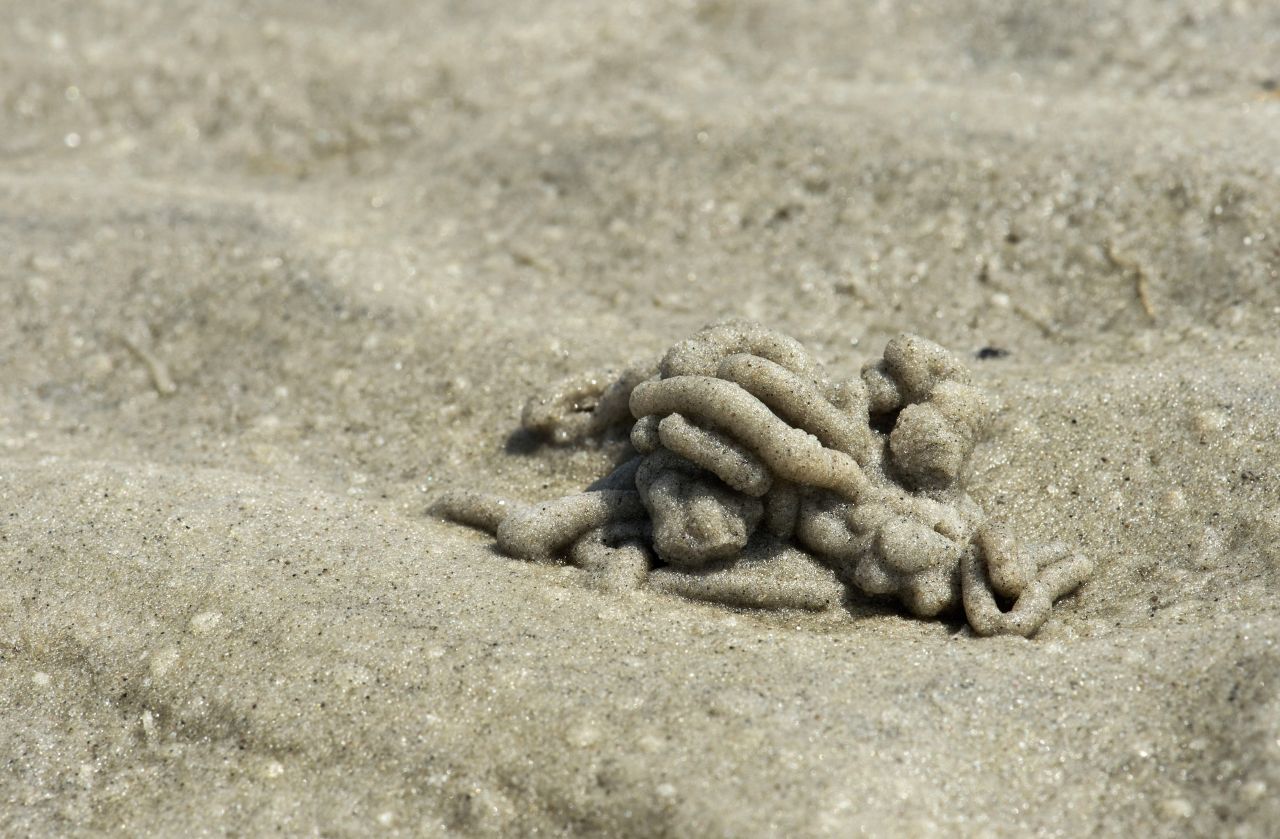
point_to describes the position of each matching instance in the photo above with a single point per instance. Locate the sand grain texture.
(274, 276)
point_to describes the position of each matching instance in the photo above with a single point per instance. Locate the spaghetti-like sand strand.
(644, 435)
(537, 532)
(695, 520)
(564, 412)
(614, 407)
(782, 509)
(790, 453)
(716, 453)
(475, 509)
(1032, 607)
(797, 401)
(700, 355)
(821, 528)
(743, 439)
(583, 406)
(613, 555)
(1010, 567)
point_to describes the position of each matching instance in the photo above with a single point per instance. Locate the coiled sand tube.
(744, 440)
(644, 435)
(909, 546)
(475, 509)
(765, 576)
(790, 453)
(614, 555)
(1031, 609)
(918, 365)
(900, 557)
(700, 355)
(716, 453)
(594, 549)
(798, 401)
(583, 406)
(696, 518)
(931, 592)
(539, 531)
(871, 577)
(821, 527)
(1010, 566)
(782, 509)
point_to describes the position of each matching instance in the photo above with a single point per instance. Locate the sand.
(274, 276)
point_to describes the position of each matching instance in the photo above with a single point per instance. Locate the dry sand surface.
(275, 275)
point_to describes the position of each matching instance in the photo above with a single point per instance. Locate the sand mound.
(270, 283)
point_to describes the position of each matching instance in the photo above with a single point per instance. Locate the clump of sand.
(742, 449)
(272, 281)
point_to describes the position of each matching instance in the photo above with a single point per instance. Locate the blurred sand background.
(273, 275)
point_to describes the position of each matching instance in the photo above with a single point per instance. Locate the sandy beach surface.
(273, 276)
